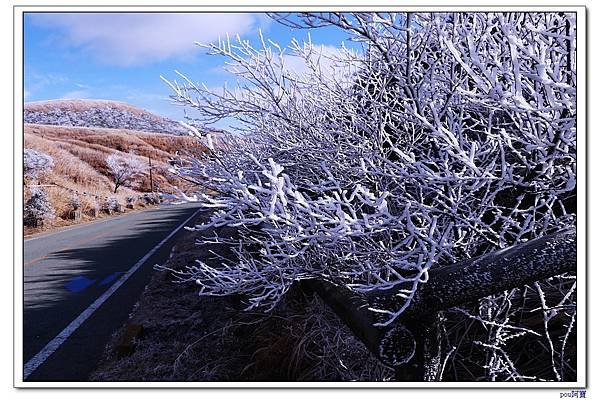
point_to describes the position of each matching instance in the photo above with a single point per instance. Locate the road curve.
(70, 272)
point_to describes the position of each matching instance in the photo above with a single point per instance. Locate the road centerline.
(38, 359)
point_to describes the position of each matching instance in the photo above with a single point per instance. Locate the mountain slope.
(99, 114)
(80, 165)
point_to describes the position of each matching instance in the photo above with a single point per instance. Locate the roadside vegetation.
(69, 169)
(439, 138)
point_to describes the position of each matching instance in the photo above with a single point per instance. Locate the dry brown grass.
(79, 156)
(125, 140)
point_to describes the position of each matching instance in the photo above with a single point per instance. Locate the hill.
(80, 166)
(98, 114)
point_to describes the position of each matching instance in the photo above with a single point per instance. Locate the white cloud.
(38, 82)
(127, 39)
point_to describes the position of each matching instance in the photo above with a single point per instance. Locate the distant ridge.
(99, 114)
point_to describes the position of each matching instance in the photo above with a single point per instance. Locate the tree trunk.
(411, 344)
(492, 273)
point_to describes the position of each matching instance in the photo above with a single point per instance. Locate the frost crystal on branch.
(448, 135)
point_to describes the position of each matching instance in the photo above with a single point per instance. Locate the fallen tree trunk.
(393, 345)
(448, 286)
(492, 273)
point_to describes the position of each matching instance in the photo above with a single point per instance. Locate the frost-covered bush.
(111, 204)
(75, 201)
(443, 137)
(38, 208)
(95, 208)
(150, 198)
(130, 201)
(35, 162)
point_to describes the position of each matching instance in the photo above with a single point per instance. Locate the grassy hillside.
(80, 154)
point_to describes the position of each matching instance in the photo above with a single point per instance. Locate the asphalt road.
(68, 271)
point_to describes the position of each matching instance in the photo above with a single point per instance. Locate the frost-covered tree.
(35, 162)
(38, 208)
(124, 170)
(444, 136)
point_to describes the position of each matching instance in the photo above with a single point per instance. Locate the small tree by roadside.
(95, 209)
(150, 198)
(123, 170)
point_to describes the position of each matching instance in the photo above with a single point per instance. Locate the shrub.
(95, 209)
(37, 209)
(75, 201)
(111, 204)
(35, 162)
(150, 198)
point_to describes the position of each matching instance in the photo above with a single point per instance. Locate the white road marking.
(55, 343)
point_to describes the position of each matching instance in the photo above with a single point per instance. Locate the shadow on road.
(45, 284)
(60, 287)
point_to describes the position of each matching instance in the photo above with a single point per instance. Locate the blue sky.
(120, 56)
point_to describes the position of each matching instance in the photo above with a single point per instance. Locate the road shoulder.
(175, 335)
